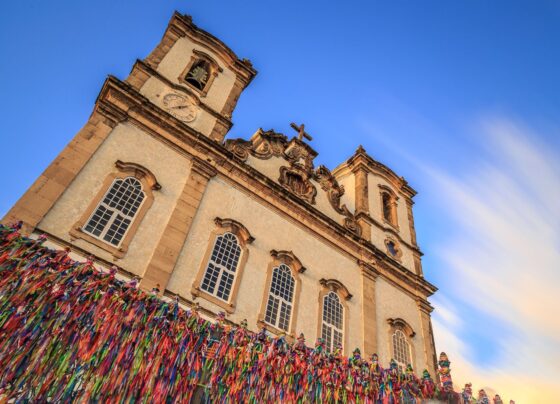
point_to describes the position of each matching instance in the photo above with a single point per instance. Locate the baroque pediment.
(293, 168)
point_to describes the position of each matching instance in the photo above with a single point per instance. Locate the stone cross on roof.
(301, 131)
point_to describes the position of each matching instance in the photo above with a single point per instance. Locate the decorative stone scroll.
(297, 181)
(334, 191)
(262, 145)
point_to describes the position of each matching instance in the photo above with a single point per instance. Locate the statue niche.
(297, 182)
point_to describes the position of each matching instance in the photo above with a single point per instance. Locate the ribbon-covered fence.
(70, 332)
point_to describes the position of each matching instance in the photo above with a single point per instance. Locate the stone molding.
(399, 323)
(233, 226)
(139, 172)
(203, 168)
(337, 287)
(289, 258)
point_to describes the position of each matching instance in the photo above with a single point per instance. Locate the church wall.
(393, 303)
(378, 236)
(177, 59)
(269, 167)
(271, 230)
(129, 144)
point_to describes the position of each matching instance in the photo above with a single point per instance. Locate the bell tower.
(193, 76)
(127, 186)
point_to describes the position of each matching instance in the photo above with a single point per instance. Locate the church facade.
(249, 227)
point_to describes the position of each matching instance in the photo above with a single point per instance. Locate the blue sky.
(461, 98)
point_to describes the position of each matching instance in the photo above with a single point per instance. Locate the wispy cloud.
(492, 196)
(503, 260)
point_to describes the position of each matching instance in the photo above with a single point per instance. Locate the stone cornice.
(203, 168)
(128, 104)
(425, 306)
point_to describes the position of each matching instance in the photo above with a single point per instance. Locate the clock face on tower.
(180, 107)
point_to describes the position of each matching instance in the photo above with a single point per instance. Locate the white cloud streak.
(504, 256)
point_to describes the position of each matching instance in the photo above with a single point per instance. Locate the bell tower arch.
(193, 76)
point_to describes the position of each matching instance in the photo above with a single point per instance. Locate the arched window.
(387, 207)
(220, 271)
(278, 312)
(199, 74)
(333, 321)
(280, 298)
(114, 214)
(401, 340)
(401, 349)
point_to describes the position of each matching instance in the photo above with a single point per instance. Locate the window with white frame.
(220, 272)
(333, 320)
(279, 306)
(401, 349)
(114, 214)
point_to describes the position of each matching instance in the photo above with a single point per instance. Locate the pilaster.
(362, 200)
(167, 252)
(424, 310)
(369, 311)
(409, 204)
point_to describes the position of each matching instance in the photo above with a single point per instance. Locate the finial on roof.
(247, 62)
(360, 149)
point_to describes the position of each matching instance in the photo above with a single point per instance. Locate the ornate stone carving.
(296, 180)
(240, 148)
(263, 145)
(352, 224)
(298, 153)
(334, 191)
(330, 185)
(336, 286)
